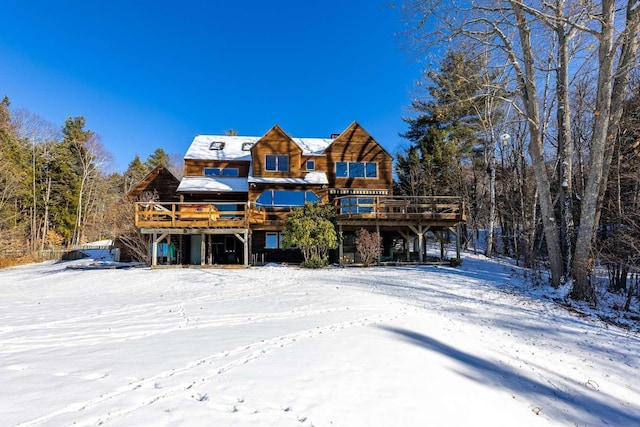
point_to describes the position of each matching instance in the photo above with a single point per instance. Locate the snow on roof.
(231, 147)
(207, 184)
(312, 146)
(310, 178)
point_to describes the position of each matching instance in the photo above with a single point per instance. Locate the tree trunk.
(530, 99)
(609, 108)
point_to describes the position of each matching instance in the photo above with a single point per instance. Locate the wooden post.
(458, 230)
(202, 249)
(380, 237)
(246, 248)
(154, 250)
(340, 248)
(441, 245)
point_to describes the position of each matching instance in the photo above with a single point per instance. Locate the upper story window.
(356, 170)
(221, 172)
(311, 165)
(277, 162)
(216, 145)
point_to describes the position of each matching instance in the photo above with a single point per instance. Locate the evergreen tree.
(446, 128)
(158, 157)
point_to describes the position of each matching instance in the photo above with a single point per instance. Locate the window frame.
(232, 172)
(279, 237)
(310, 165)
(278, 159)
(345, 169)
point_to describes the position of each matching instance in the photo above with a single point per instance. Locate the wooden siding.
(356, 145)
(159, 181)
(276, 141)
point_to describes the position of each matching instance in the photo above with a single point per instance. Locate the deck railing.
(239, 214)
(210, 215)
(400, 207)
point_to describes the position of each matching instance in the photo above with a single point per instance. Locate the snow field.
(283, 346)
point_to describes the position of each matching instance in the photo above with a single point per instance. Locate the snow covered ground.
(283, 346)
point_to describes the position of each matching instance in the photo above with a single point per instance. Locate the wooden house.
(238, 190)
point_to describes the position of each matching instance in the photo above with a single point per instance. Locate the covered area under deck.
(409, 218)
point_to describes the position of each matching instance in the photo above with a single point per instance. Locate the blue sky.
(153, 74)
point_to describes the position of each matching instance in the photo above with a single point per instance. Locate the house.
(231, 205)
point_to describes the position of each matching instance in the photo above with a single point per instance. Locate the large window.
(273, 240)
(286, 198)
(221, 171)
(277, 162)
(356, 170)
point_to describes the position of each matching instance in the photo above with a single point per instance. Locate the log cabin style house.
(231, 204)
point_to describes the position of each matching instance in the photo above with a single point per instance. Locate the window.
(221, 172)
(216, 145)
(286, 198)
(246, 146)
(273, 240)
(356, 205)
(277, 162)
(356, 170)
(311, 165)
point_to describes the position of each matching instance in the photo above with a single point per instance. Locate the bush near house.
(310, 228)
(369, 246)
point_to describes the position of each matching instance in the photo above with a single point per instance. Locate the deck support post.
(202, 248)
(244, 238)
(340, 247)
(154, 247)
(420, 232)
(380, 237)
(154, 250)
(456, 231)
(442, 246)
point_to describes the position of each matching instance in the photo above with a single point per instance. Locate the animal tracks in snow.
(198, 372)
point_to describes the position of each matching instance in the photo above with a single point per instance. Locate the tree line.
(55, 186)
(532, 115)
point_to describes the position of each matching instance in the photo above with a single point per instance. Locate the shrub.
(369, 246)
(310, 228)
(454, 262)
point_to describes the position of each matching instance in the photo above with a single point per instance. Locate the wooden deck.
(350, 210)
(190, 215)
(400, 210)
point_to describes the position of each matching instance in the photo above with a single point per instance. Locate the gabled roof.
(143, 185)
(355, 127)
(231, 147)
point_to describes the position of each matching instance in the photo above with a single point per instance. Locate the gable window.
(273, 240)
(284, 198)
(356, 170)
(311, 165)
(277, 162)
(221, 172)
(216, 145)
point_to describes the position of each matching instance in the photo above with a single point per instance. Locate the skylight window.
(246, 146)
(216, 145)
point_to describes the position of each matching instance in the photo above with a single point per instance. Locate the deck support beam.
(420, 232)
(154, 247)
(244, 238)
(202, 249)
(341, 247)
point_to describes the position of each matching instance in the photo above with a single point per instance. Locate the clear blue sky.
(153, 74)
